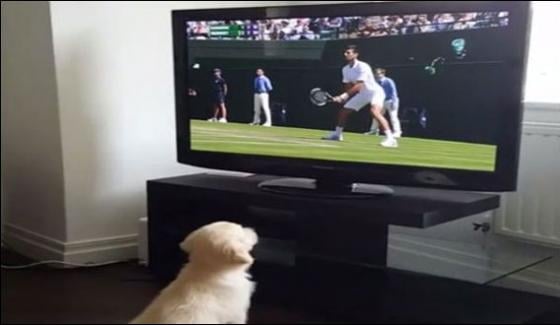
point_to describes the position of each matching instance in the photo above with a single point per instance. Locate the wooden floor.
(104, 295)
(111, 294)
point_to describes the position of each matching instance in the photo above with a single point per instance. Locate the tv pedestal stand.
(319, 252)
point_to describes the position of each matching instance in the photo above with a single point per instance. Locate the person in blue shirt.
(261, 87)
(391, 104)
(219, 93)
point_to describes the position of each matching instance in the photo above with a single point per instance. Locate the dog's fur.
(214, 287)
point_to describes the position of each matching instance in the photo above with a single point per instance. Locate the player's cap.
(217, 70)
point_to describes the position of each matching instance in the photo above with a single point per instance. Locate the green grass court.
(307, 143)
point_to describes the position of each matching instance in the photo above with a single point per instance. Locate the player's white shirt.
(360, 71)
(371, 93)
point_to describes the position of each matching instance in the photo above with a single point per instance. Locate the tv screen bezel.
(504, 177)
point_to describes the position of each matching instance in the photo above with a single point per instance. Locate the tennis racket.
(320, 97)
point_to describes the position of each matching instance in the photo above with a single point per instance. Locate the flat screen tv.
(425, 94)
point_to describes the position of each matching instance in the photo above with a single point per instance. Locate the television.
(331, 97)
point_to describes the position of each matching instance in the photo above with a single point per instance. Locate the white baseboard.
(102, 250)
(98, 250)
(33, 245)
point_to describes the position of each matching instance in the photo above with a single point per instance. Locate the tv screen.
(411, 93)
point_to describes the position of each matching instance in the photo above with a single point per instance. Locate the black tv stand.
(330, 255)
(323, 189)
(320, 227)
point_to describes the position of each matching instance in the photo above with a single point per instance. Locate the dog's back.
(195, 298)
(214, 288)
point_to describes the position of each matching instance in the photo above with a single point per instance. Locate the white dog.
(214, 287)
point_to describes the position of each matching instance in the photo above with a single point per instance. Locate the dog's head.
(221, 242)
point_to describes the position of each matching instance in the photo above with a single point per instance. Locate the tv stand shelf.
(310, 243)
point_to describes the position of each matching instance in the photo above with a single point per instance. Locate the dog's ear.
(251, 236)
(237, 253)
(187, 244)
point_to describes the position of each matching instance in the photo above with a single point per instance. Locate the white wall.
(115, 79)
(543, 68)
(32, 174)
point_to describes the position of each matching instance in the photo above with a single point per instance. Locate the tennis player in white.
(361, 90)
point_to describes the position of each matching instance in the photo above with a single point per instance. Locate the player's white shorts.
(365, 97)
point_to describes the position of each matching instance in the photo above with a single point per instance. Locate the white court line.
(228, 133)
(258, 143)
